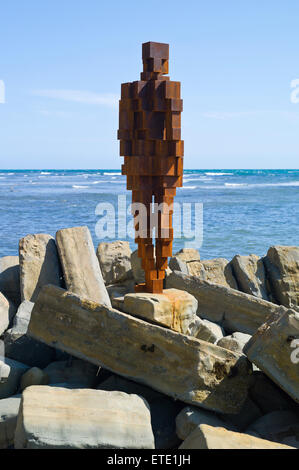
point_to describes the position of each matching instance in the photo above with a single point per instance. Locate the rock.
(188, 255)
(7, 312)
(182, 367)
(270, 349)
(176, 264)
(278, 426)
(33, 376)
(115, 261)
(82, 272)
(174, 308)
(185, 258)
(190, 418)
(10, 278)
(234, 310)
(39, 264)
(20, 347)
(230, 343)
(74, 371)
(219, 271)
(267, 395)
(120, 290)
(9, 409)
(163, 409)
(138, 272)
(242, 338)
(10, 386)
(61, 418)
(282, 265)
(209, 437)
(250, 274)
(248, 414)
(209, 331)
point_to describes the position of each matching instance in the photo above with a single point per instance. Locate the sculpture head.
(155, 56)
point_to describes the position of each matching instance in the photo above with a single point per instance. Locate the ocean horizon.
(244, 211)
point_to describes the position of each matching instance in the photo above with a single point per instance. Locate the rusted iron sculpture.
(150, 141)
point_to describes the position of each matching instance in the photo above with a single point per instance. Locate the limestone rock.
(82, 272)
(7, 312)
(209, 437)
(190, 418)
(182, 367)
(278, 426)
(250, 274)
(173, 308)
(39, 264)
(115, 261)
(282, 265)
(267, 395)
(61, 418)
(219, 271)
(20, 347)
(275, 351)
(188, 255)
(10, 278)
(176, 264)
(209, 331)
(230, 343)
(187, 260)
(74, 371)
(234, 310)
(121, 289)
(33, 376)
(9, 409)
(10, 385)
(247, 415)
(138, 272)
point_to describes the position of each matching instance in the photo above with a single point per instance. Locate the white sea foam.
(45, 173)
(110, 174)
(216, 174)
(262, 185)
(76, 186)
(189, 187)
(97, 182)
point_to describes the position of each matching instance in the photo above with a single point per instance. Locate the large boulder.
(219, 271)
(187, 261)
(14, 371)
(275, 350)
(234, 342)
(61, 418)
(182, 367)
(250, 274)
(115, 261)
(81, 269)
(278, 426)
(173, 308)
(33, 376)
(73, 371)
(7, 312)
(210, 437)
(10, 278)
(20, 347)
(137, 270)
(282, 265)
(39, 264)
(191, 417)
(209, 331)
(234, 310)
(9, 410)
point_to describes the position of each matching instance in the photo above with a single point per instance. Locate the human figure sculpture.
(150, 141)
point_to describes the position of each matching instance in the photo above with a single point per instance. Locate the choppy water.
(244, 211)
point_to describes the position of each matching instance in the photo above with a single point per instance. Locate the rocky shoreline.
(213, 362)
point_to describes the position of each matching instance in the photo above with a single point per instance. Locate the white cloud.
(2, 92)
(80, 96)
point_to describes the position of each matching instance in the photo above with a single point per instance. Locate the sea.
(240, 211)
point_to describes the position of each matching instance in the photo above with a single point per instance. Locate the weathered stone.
(74, 371)
(163, 409)
(173, 308)
(234, 310)
(282, 265)
(190, 418)
(230, 343)
(33, 376)
(176, 264)
(53, 418)
(7, 312)
(10, 278)
(115, 261)
(138, 272)
(275, 351)
(120, 290)
(219, 271)
(209, 437)
(248, 414)
(188, 255)
(82, 272)
(10, 386)
(267, 395)
(185, 368)
(20, 347)
(39, 264)
(250, 274)
(242, 338)
(209, 331)
(187, 261)
(278, 426)
(9, 409)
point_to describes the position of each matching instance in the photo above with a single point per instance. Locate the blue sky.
(62, 63)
